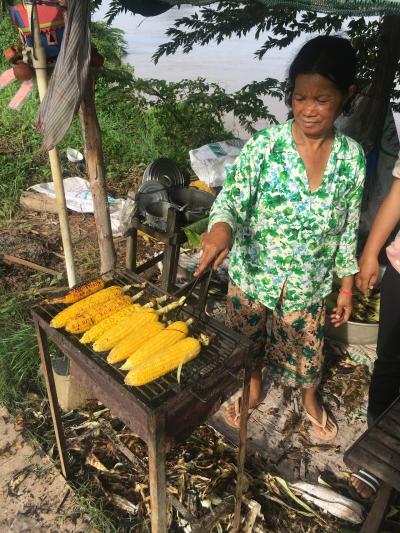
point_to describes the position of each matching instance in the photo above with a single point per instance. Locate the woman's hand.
(369, 271)
(215, 246)
(341, 313)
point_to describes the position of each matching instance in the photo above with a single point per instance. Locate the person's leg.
(295, 358)
(385, 380)
(314, 408)
(250, 319)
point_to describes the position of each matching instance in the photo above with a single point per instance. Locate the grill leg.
(131, 250)
(52, 396)
(158, 484)
(242, 447)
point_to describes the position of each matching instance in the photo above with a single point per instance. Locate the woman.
(289, 209)
(385, 381)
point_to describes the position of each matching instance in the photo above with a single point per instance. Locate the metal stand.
(172, 239)
(155, 437)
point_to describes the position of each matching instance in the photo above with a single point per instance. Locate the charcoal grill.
(165, 411)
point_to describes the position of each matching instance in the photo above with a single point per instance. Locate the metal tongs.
(205, 279)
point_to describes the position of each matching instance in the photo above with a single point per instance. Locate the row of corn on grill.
(112, 321)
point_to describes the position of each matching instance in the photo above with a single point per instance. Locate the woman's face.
(316, 104)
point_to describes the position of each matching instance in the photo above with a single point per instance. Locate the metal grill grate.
(222, 347)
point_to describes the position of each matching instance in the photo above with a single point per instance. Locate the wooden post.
(97, 176)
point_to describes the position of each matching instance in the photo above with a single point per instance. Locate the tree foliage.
(275, 29)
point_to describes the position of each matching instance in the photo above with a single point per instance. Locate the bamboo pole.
(40, 65)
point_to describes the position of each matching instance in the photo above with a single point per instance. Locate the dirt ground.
(34, 497)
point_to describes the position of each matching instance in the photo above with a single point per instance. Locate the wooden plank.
(378, 511)
(23, 262)
(381, 451)
(364, 459)
(395, 411)
(381, 436)
(389, 425)
(33, 201)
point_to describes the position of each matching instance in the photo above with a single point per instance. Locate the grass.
(97, 519)
(19, 357)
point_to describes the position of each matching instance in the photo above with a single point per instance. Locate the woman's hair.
(333, 58)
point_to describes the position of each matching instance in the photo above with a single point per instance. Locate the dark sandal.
(368, 479)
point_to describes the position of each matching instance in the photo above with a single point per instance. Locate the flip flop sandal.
(328, 434)
(231, 412)
(368, 479)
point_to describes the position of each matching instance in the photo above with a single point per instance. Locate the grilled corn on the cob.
(95, 331)
(133, 341)
(79, 292)
(99, 297)
(164, 362)
(94, 315)
(112, 337)
(172, 334)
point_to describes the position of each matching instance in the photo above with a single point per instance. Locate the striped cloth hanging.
(69, 78)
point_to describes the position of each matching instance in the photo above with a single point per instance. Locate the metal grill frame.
(163, 412)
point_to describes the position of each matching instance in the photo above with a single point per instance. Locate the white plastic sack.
(79, 198)
(212, 161)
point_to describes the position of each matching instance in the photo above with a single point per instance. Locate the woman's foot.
(324, 428)
(364, 485)
(232, 410)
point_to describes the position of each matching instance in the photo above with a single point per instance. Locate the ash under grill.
(225, 351)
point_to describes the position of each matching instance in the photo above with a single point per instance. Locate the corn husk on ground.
(96, 299)
(173, 333)
(164, 361)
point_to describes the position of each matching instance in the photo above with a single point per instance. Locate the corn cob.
(127, 325)
(94, 315)
(79, 292)
(165, 361)
(98, 329)
(63, 316)
(174, 333)
(133, 341)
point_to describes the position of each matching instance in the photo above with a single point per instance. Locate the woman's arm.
(230, 209)
(385, 221)
(346, 262)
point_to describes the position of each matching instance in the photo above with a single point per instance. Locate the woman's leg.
(296, 356)
(250, 319)
(313, 407)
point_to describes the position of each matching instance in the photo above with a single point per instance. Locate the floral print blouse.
(283, 232)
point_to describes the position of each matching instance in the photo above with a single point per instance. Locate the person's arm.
(385, 221)
(346, 262)
(229, 210)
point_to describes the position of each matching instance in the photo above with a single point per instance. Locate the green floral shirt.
(283, 232)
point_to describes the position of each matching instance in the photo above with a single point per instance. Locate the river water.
(231, 64)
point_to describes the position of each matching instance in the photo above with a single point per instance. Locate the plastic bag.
(128, 211)
(212, 161)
